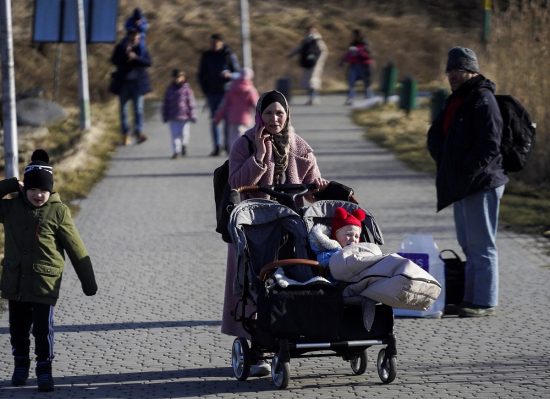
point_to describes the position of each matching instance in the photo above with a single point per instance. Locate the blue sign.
(55, 21)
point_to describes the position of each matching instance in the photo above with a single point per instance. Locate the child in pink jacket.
(238, 102)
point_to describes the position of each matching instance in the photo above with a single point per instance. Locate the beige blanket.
(390, 279)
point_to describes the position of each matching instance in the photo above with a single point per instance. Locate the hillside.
(415, 37)
(414, 34)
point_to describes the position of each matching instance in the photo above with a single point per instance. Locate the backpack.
(309, 53)
(224, 197)
(518, 133)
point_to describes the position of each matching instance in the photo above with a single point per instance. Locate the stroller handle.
(285, 194)
(288, 263)
(300, 189)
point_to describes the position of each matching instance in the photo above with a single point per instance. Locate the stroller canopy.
(264, 231)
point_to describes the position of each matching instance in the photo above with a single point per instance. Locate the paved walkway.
(153, 329)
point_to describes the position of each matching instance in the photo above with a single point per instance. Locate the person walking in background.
(236, 106)
(313, 53)
(359, 60)
(131, 82)
(178, 110)
(137, 22)
(39, 231)
(218, 65)
(464, 140)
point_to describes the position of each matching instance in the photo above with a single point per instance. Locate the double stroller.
(286, 304)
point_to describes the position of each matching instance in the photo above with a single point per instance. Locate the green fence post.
(437, 101)
(407, 98)
(389, 77)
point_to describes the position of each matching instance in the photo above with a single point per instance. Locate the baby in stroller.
(346, 230)
(386, 278)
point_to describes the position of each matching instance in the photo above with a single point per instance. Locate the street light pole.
(11, 156)
(245, 34)
(83, 89)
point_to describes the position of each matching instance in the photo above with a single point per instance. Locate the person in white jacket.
(313, 53)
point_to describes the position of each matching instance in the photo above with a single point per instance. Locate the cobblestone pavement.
(153, 329)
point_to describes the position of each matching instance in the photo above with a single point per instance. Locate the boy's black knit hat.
(39, 173)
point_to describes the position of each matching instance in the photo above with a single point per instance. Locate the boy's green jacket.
(34, 246)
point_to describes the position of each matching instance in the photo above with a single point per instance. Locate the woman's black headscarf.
(281, 141)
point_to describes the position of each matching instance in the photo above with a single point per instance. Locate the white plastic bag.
(422, 250)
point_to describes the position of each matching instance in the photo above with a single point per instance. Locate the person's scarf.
(281, 147)
(456, 99)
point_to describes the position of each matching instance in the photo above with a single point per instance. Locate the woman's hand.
(261, 140)
(320, 184)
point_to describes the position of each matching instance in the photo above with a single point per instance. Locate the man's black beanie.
(462, 58)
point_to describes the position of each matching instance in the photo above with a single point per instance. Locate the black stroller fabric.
(264, 231)
(312, 311)
(335, 191)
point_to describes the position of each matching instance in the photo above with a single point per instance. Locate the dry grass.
(180, 31)
(405, 135)
(520, 53)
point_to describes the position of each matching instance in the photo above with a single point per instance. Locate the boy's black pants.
(39, 316)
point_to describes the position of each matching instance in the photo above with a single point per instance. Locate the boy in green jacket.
(38, 230)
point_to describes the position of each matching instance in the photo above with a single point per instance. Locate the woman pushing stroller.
(269, 153)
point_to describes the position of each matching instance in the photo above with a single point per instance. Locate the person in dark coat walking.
(464, 141)
(218, 66)
(131, 82)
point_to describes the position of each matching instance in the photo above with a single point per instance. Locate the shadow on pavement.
(156, 175)
(130, 325)
(184, 383)
(140, 158)
(151, 385)
(197, 382)
(371, 176)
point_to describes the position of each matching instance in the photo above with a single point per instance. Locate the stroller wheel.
(280, 372)
(240, 359)
(386, 367)
(359, 363)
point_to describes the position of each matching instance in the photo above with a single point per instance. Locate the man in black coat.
(464, 141)
(218, 65)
